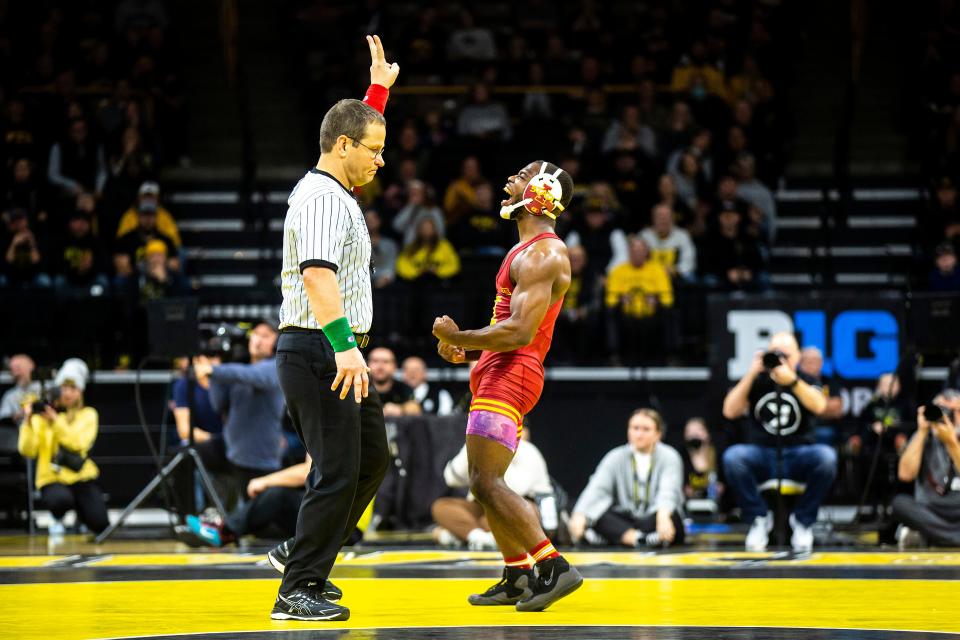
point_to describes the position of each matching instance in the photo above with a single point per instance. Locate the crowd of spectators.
(937, 85)
(675, 137)
(91, 111)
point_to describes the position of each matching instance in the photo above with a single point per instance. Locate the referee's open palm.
(352, 372)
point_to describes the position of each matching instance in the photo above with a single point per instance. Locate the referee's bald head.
(348, 118)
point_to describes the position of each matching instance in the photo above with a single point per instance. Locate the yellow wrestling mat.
(113, 609)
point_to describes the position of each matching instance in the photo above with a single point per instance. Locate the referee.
(324, 319)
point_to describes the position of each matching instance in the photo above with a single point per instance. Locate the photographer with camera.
(932, 460)
(59, 432)
(780, 403)
(250, 397)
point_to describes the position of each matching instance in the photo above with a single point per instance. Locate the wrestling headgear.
(541, 197)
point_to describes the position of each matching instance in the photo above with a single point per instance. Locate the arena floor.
(128, 589)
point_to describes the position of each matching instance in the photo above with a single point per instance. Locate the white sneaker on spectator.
(759, 534)
(445, 538)
(908, 538)
(56, 528)
(480, 540)
(592, 537)
(802, 539)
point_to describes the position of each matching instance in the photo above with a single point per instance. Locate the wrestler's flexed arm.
(542, 277)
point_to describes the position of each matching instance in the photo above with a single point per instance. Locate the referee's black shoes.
(307, 603)
(278, 560)
(555, 579)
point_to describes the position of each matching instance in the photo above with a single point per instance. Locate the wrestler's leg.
(491, 442)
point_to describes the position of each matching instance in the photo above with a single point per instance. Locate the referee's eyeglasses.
(377, 155)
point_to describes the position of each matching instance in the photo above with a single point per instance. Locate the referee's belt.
(363, 339)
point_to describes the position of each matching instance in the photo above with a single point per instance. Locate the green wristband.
(340, 335)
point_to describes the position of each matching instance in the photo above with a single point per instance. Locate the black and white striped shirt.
(325, 227)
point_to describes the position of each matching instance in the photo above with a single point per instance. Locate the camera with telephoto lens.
(933, 412)
(773, 359)
(52, 397)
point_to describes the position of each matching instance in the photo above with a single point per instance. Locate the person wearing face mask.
(635, 496)
(700, 462)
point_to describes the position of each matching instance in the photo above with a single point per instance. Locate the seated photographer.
(462, 520)
(791, 412)
(270, 512)
(60, 435)
(635, 497)
(24, 390)
(932, 460)
(250, 397)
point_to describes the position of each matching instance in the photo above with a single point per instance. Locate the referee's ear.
(341, 145)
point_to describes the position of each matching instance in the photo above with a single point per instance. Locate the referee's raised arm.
(352, 138)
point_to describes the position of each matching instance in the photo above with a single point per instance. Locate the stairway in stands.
(234, 254)
(872, 246)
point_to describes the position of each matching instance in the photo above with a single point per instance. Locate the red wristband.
(376, 97)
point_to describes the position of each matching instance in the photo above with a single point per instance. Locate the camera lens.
(932, 412)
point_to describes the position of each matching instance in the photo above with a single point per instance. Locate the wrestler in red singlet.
(510, 382)
(507, 382)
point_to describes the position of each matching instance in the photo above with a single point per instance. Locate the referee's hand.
(352, 371)
(381, 72)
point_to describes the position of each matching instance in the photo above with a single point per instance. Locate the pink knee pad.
(493, 426)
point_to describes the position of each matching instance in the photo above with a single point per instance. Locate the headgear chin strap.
(541, 197)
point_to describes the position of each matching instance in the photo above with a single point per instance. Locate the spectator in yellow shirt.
(165, 223)
(639, 299)
(428, 254)
(60, 439)
(461, 194)
(640, 286)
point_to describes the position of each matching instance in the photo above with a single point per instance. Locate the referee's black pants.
(348, 444)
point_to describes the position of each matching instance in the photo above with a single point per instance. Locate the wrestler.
(507, 381)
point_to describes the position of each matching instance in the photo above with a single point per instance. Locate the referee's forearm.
(323, 292)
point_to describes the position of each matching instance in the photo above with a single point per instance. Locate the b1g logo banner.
(859, 336)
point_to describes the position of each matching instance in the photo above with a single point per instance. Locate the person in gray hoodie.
(635, 497)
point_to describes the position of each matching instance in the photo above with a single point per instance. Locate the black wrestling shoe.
(555, 579)
(514, 587)
(278, 560)
(307, 604)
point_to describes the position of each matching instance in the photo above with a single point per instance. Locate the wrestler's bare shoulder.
(546, 250)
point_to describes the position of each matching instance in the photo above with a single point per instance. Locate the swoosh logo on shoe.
(549, 581)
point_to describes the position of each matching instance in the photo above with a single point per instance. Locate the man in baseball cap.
(148, 196)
